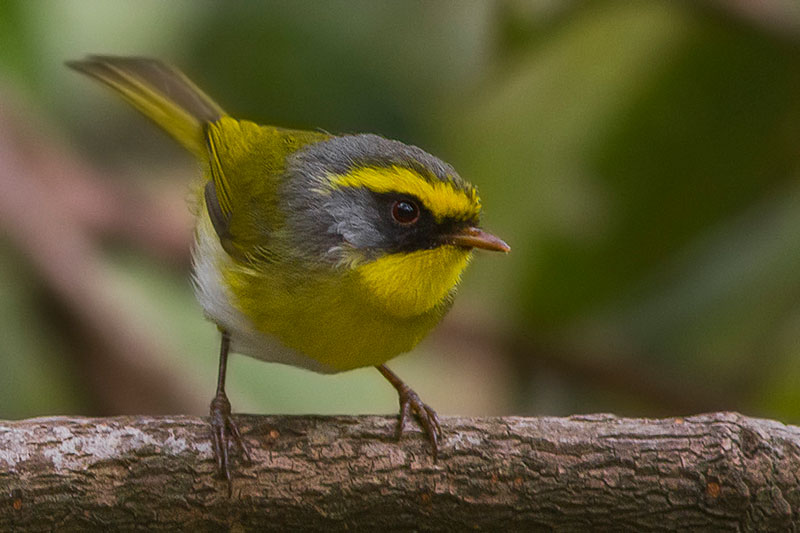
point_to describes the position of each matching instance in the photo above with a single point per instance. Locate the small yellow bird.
(319, 251)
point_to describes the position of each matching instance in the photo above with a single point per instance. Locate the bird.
(324, 252)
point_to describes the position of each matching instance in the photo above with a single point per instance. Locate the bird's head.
(399, 218)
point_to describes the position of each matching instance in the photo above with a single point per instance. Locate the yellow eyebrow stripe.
(440, 197)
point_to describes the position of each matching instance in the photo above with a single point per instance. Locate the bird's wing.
(247, 162)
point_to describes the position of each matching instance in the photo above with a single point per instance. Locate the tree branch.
(716, 472)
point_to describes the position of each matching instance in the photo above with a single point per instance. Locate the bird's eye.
(405, 212)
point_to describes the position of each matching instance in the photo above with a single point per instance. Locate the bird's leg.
(223, 428)
(409, 401)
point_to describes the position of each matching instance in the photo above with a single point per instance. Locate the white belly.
(209, 260)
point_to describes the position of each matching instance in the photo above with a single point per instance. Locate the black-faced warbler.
(320, 251)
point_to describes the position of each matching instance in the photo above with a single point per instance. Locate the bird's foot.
(223, 431)
(410, 401)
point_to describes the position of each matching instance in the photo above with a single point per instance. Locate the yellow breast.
(353, 318)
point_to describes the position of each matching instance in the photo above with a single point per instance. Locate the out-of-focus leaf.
(37, 377)
(528, 138)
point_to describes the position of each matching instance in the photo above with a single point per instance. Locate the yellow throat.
(413, 283)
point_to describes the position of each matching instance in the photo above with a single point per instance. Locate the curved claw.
(223, 431)
(410, 401)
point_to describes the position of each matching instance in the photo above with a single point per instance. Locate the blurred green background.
(641, 158)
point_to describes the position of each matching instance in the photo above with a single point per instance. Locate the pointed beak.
(477, 238)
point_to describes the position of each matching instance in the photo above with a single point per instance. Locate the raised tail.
(160, 92)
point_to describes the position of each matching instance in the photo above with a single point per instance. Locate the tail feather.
(160, 92)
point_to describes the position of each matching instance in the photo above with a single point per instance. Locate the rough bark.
(716, 472)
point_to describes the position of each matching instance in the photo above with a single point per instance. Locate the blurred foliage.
(641, 158)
